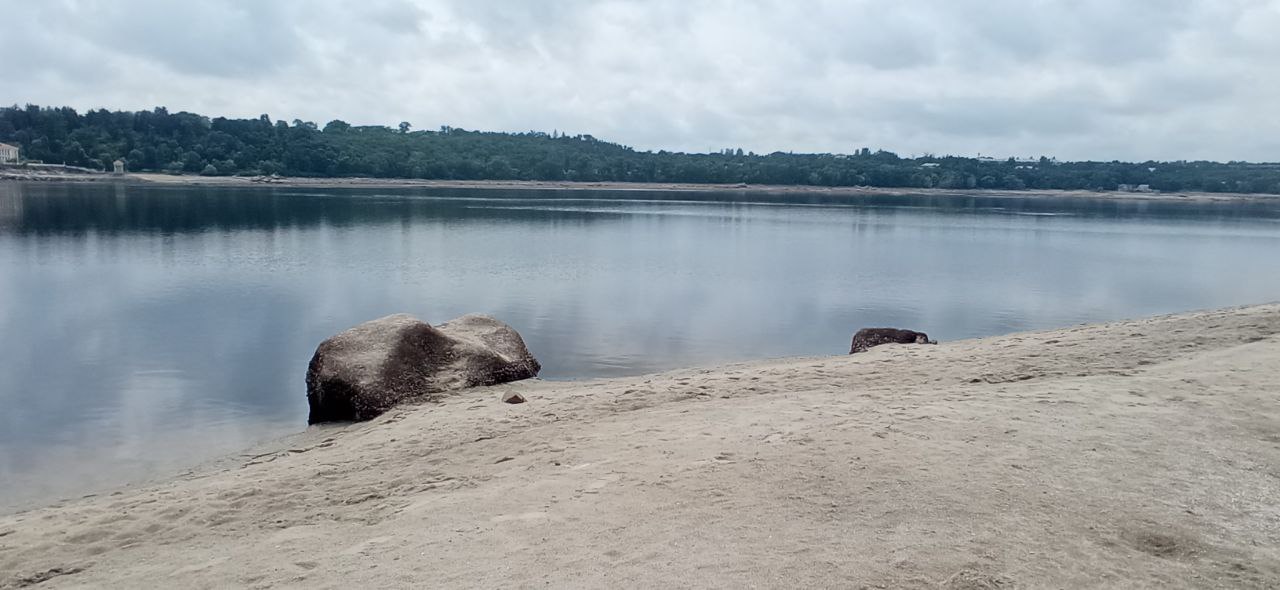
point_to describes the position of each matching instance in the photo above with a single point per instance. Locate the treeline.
(161, 141)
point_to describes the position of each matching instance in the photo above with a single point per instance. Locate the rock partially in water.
(364, 371)
(869, 337)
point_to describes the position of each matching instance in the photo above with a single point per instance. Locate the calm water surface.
(145, 329)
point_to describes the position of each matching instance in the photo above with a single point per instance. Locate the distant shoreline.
(367, 182)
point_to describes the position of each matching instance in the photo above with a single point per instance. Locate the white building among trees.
(8, 154)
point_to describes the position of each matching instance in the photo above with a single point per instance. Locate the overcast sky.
(1077, 79)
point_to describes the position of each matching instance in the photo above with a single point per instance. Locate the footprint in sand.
(363, 546)
(525, 516)
(191, 569)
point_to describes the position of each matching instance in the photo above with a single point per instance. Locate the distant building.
(8, 154)
(118, 167)
(930, 165)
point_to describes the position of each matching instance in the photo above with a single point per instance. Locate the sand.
(1139, 454)
(538, 185)
(748, 189)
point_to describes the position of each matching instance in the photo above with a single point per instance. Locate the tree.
(74, 155)
(1012, 181)
(336, 126)
(192, 162)
(405, 126)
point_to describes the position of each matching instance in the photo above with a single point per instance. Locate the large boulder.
(364, 371)
(868, 337)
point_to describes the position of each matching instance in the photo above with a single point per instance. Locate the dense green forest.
(158, 140)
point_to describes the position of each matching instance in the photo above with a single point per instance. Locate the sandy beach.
(669, 186)
(533, 185)
(1138, 454)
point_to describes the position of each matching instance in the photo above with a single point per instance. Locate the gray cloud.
(1164, 79)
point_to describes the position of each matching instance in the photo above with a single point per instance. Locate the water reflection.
(148, 327)
(120, 208)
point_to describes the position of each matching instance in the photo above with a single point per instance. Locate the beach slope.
(1143, 453)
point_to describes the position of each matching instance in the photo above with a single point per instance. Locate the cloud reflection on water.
(148, 328)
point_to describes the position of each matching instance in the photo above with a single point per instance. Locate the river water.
(147, 328)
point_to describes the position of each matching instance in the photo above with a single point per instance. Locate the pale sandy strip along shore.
(1143, 453)
(753, 189)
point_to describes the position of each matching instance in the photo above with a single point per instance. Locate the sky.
(1073, 79)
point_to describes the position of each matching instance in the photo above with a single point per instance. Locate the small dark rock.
(869, 337)
(512, 397)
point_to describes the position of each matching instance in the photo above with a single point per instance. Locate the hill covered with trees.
(160, 141)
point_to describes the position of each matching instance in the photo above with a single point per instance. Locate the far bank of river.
(18, 174)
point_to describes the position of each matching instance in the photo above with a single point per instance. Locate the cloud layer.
(1079, 79)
